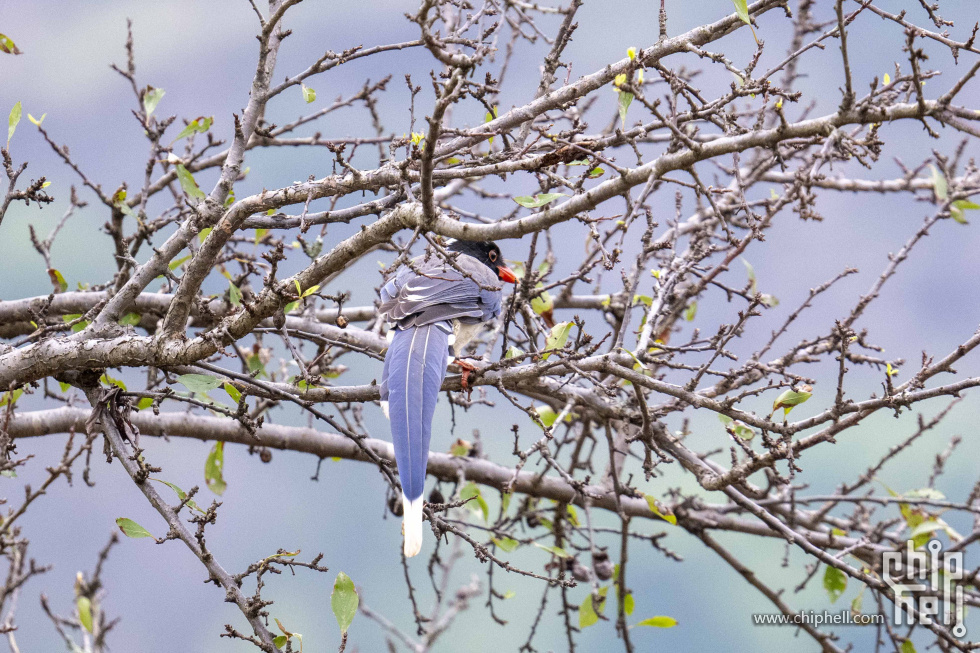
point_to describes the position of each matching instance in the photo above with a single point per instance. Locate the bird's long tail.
(415, 366)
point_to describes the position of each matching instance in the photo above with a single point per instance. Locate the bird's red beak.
(506, 274)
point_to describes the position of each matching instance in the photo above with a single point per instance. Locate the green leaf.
(856, 603)
(487, 118)
(151, 98)
(588, 614)
(12, 122)
(280, 641)
(203, 235)
(742, 10)
(234, 294)
(659, 622)
(309, 291)
(6, 45)
(58, 279)
(922, 533)
(790, 398)
(538, 200)
(596, 172)
(200, 383)
(260, 234)
(343, 601)
(108, 380)
(835, 582)
(625, 100)
(546, 414)
(557, 338)
(37, 121)
(691, 311)
(309, 95)
(130, 528)
(554, 550)
(213, 467)
(180, 494)
(506, 544)
(144, 403)
(543, 302)
(471, 491)
(750, 271)
(233, 392)
(65, 387)
(661, 511)
(130, 319)
(957, 208)
(176, 264)
(10, 398)
(198, 126)
(514, 352)
(908, 646)
(71, 317)
(628, 604)
(939, 184)
(188, 184)
(84, 606)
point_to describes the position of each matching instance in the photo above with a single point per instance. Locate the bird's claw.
(466, 370)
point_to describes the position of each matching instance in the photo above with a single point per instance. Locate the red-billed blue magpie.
(433, 304)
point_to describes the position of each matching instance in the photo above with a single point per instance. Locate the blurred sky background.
(202, 54)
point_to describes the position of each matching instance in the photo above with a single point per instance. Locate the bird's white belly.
(462, 335)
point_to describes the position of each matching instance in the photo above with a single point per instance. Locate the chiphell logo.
(925, 582)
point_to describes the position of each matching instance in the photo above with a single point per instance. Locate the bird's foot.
(467, 369)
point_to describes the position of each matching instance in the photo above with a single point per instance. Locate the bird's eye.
(493, 256)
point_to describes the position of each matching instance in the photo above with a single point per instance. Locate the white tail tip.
(412, 525)
(384, 408)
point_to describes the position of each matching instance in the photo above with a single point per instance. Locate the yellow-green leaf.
(84, 606)
(538, 200)
(659, 622)
(151, 98)
(213, 467)
(343, 601)
(7, 45)
(198, 126)
(37, 121)
(233, 392)
(309, 95)
(557, 338)
(790, 398)
(661, 511)
(939, 184)
(835, 582)
(130, 319)
(234, 294)
(12, 121)
(506, 544)
(589, 611)
(130, 528)
(187, 183)
(625, 100)
(476, 503)
(199, 383)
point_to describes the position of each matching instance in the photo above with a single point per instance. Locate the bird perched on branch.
(436, 307)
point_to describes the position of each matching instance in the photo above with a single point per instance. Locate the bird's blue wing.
(439, 292)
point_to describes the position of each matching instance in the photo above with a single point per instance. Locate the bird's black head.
(485, 252)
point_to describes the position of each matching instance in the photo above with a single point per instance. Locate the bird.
(435, 306)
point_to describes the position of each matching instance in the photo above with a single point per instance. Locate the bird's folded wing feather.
(439, 292)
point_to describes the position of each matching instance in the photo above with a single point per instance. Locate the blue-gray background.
(202, 54)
